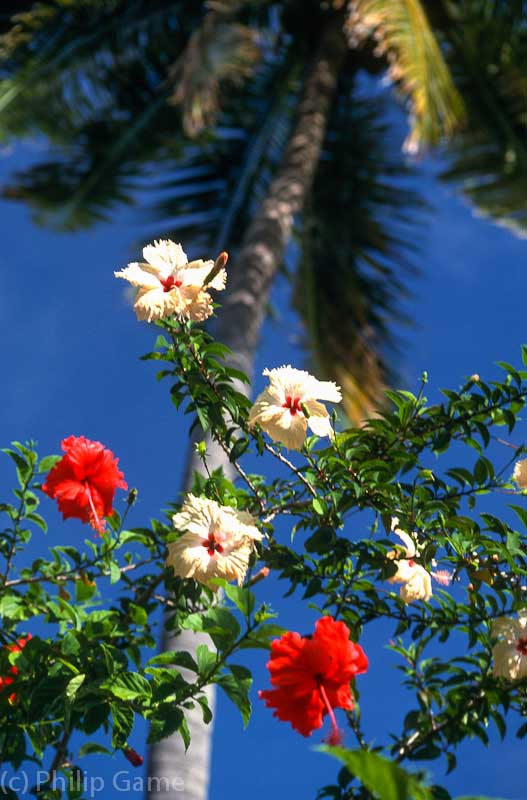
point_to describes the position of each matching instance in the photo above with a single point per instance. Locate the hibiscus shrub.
(416, 519)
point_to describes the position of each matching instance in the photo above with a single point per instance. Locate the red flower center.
(293, 404)
(411, 562)
(212, 545)
(521, 646)
(170, 282)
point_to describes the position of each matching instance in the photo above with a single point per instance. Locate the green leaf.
(138, 614)
(167, 720)
(384, 778)
(242, 598)
(38, 520)
(92, 748)
(239, 447)
(23, 469)
(236, 686)
(12, 607)
(48, 462)
(128, 686)
(206, 660)
(84, 590)
(322, 541)
(74, 685)
(178, 657)
(123, 721)
(318, 506)
(115, 572)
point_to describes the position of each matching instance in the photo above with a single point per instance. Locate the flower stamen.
(170, 283)
(335, 737)
(293, 404)
(97, 523)
(212, 545)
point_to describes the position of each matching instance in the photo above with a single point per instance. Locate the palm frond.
(81, 183)
(203, 190)
(356, 247)
(417, 66)
(61, 62)
(219, 52)
(488, 46)
(209, 195)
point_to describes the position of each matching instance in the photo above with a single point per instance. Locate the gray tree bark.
(174, 775)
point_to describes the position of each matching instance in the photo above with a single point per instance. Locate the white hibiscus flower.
(416, 580)
(217, 543)
(170, 285)
(290, 404)
(510, 652)
(520, 473)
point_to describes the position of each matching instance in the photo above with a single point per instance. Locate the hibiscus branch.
(241, 472)
(60, 755)
(16, 527)
(217, 438)
(244, 427)
(353, 722)
(75, 574)
(277, 454)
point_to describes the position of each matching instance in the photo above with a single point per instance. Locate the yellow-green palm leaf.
(403, 35)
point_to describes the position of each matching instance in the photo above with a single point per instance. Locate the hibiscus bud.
(219, 264)
(263, 573)
(474, 378)
(222, 259)
(133, 757)
(132, 497)
(201, 449)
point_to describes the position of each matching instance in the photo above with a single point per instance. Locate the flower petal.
(520, 473)
(318, 419)
(165, 256)
(419, 587)
(141, 275)
(508, 662)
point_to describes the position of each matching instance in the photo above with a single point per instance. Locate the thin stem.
(16, 521)
(278, 455)
(73, 575)
(60, 754)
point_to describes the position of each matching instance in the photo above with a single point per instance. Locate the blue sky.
(70, 345)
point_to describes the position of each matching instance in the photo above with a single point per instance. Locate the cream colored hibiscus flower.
(520, 473)
(217, 543)
(510, 652)
(170, 285)
(290, 404)
(416, 580)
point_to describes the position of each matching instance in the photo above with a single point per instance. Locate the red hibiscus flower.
(312, 676)
(84, 481)
(7, 680)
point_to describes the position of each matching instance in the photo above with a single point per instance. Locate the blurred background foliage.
(194, 104)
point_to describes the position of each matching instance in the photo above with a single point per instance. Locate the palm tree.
(257, 121)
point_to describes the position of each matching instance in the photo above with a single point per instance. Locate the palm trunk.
(239, 324)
